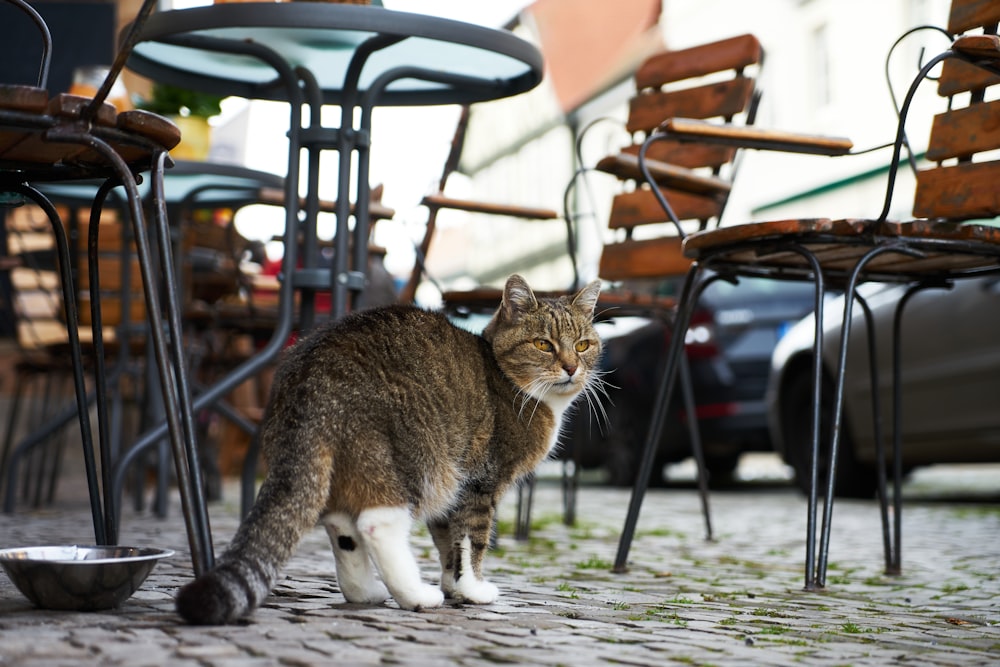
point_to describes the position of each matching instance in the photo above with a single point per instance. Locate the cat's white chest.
(559, 405)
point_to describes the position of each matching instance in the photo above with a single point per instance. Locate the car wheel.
(854, 479)
(620, 466)
(721, 470)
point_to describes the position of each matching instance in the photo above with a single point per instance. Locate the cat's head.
(548, 347)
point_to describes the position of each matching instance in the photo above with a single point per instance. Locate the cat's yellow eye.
(543, 345)
(582, 345)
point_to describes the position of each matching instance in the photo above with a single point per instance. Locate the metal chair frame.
(83, 130)
(872, 237)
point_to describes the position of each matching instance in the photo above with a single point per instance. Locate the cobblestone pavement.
(737, 600)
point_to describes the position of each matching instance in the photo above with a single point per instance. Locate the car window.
(726, 294)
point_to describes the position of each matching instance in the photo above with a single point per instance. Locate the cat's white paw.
(423, 597)
(476, 591)
(371, 592)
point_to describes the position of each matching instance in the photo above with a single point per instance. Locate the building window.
(819, 79)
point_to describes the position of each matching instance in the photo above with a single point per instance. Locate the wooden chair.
(710, 81)
(716, 80)
(480, 298)
(939, 245)
(39, 372)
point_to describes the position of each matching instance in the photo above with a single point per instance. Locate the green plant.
(170, 100)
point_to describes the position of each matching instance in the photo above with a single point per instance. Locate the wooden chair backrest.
(36, 299)
(705, 82)
(409, 291)
(961, 186)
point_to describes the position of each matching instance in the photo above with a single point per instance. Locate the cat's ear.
(517, 298)
(586, 299)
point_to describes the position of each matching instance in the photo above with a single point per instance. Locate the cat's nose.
(570, 369)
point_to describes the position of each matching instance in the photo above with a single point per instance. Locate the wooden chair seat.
(839, 244)
(29, 118)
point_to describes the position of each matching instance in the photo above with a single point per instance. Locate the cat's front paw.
(475, 591)
(372, 592)
(423, 597)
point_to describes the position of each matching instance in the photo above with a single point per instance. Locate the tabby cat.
(393, 415)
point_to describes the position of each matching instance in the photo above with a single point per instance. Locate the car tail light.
(700, 338)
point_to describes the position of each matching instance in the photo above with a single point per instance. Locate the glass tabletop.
(207, 184)
(323, 37)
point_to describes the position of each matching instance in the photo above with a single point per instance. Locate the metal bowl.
(79, 578)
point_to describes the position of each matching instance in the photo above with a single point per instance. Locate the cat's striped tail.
(289, 504)
(232, 590)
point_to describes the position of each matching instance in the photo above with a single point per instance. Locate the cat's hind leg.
(472, 525)
(441, 534)
(386, 533)
(355, 570)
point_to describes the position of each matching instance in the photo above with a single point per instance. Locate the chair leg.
(173, 374)
(8, 440)
(694, 432)
(660, 409)
(874, 384)
(838, 407)
(45, 456)
(571, 484)
(893, 553)
(525, 496)
(79, 383)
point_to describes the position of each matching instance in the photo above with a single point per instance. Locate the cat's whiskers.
(596, 387)
(536, 390)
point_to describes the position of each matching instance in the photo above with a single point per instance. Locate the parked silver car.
(951, 382)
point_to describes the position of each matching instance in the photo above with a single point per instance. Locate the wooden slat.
(157, 128)
(968, 14)
(755, 137)
(34, 148)
(109, 238)
(734, 53)
(958, 76)
(964, 132)
(959, 192)
(686, 154)
(110, 267)
(626, 166)
(69, 106)
(652, 258)
(150, 126)
(23, 98)
(111, 310)
(640, 207)
(980, 47)
(440, 201)
(716, 100)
